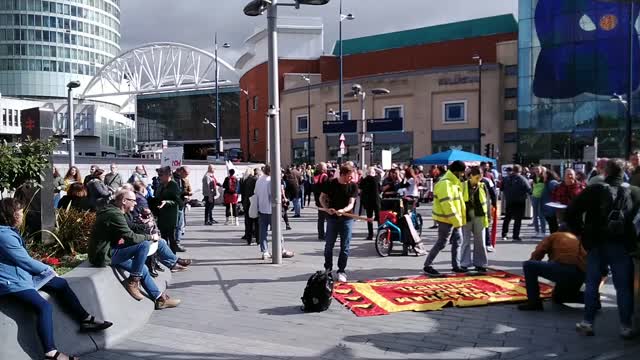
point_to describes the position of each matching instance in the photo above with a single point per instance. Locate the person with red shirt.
(568, 190)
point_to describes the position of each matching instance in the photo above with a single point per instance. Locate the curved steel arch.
(162, 66)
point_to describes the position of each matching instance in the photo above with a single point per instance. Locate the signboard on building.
(459, 79)
(337, 127)
(384, 125)
(30, 121)
(172, 156)
(386, 159)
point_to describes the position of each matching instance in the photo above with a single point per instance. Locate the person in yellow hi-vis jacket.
(475, 198)
(449, 212)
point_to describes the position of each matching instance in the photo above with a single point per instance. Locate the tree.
(24, 161)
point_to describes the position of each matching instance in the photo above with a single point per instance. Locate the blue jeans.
(60, 290)
(568, 279)
(165, 255)
(131, 259)
(337, 225)
(615, 256)
(179, 226)
(539, 223)
(265, 222)
(296, 206)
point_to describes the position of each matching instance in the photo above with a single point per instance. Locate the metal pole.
(630, 91)
(248, 131)
(480, 106)
(217, 102)
(274, 103)
(268, 137)
(309, 119)
(71, 145)
(364, 131)
(341, 73)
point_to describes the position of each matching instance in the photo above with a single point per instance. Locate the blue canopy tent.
(449, 156)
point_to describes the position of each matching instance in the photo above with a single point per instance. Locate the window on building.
(510, 93)
(255, 103)
(510, 115)
(393, 112)
(4, 117)
(255, 135)
(454, 111)
(511, 70)
(302, 124)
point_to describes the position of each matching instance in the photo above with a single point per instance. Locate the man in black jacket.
(515, 189)
(370, 198)
(247, 188)
(609, 240)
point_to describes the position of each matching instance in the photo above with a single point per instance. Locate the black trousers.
(250, 226)
(208, 209)
(553, 223)
(515, 212)
(170, 237)
(228, 210)
(374, 213)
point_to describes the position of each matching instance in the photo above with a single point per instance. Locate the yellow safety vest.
(483, 199)
(448, 205)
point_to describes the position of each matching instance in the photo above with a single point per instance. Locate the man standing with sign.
(338, 198)
(449, 212)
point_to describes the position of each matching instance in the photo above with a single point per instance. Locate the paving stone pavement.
(237, 306)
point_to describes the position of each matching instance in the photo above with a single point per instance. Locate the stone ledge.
(100, 292)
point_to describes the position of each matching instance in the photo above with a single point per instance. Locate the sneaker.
(481, 269)
(287, 254)
(531, 306)
(227, 222)
(585, 328)
(429, 270)
(504, 238)
(266, 255)
(537, 234)
(165, 302)
(517, 239)
(184, 262)
(490, 248)
(342, 277)
(288, 227)
(460, 270)
(626, 333)
(237, 222)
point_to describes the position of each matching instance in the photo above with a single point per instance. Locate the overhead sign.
(386, 159)
(458, 80)
(385, 125)
(172, 156)
(337, 127)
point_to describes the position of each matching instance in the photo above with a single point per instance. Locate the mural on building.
(584, 48)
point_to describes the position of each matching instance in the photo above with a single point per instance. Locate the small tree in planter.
(24, 162)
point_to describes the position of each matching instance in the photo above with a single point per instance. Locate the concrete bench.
(101, 293)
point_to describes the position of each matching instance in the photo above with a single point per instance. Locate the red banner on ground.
(381, 297)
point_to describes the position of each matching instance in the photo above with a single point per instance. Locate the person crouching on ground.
(338, 198)
(449, 212)
(17, 270)
(113, 242)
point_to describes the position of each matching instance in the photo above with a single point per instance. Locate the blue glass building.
(573, 56)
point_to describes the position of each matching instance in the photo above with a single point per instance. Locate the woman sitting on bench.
(19, 274)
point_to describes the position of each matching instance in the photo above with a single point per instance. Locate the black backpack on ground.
(318, 292)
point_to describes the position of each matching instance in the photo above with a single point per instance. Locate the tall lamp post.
(246, 94)
(479, 60)
(358, 92)
(226, 46)
(256, 8)
(308, 80)
(343, 17)
(71, 147)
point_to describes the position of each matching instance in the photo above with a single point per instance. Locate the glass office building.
(573, 56)
(46, 44)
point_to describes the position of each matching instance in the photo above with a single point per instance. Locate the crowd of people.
(587, 225)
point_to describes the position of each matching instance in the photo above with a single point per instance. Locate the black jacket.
(516, 188)
(247, 188)
(595, 203)
(370, 192)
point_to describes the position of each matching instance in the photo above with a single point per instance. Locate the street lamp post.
(375, 92)
(479, 60)
(225, 45)
(308, 80)
(71, 147)
(246, 94)
(256, 8)
(340, 82)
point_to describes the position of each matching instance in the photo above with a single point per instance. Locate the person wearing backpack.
(230, 197)
(602, 216)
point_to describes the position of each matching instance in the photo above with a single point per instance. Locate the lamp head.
(350, 17)
(380, 91)
(256, 7)
(73, 84)
(357, 89)
(226, 45)
(312, 2)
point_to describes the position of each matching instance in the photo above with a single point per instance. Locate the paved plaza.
(236, 306)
